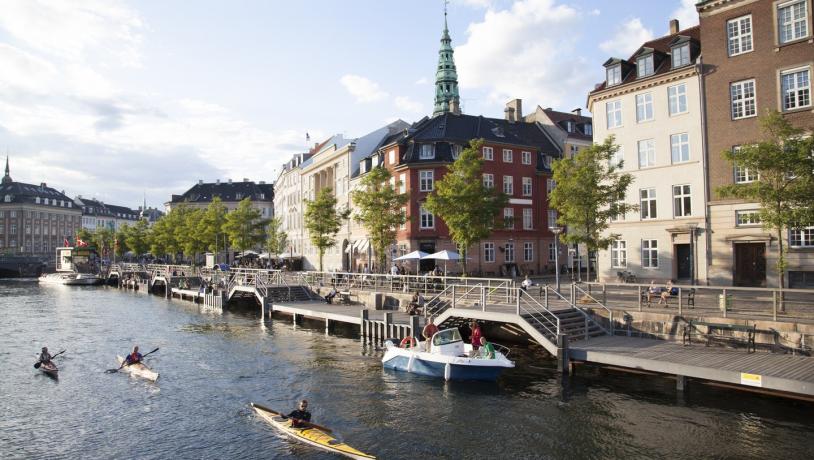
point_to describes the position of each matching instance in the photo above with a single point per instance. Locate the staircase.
(573, 323)
(288, 294)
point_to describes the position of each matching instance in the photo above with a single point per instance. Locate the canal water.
(213, 365)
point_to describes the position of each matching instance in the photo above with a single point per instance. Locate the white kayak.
(138, 370)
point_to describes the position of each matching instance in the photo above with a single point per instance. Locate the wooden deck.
(794, 374)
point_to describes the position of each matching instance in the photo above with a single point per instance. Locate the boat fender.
(408, 342)
(447, 371)
(410, 363)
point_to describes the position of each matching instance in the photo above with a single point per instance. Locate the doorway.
(683, 258)
(426, 265)
(750, 264)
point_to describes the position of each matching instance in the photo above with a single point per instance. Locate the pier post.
(327, 326)
(388, 321)
(562, 354)
(681, 382)
(415, 328)
(364, 326)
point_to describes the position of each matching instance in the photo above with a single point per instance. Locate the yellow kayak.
(309, 435)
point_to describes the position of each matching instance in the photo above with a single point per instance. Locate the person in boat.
(475, 337)
(487, 350)
(429, 330)
(300, 415)
(45, 357)
(134, 357)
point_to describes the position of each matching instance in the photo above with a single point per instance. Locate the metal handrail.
(438, 298)
(610, 313)
(529, 299)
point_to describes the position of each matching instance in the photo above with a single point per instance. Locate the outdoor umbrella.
(413, 255)
(445, 256)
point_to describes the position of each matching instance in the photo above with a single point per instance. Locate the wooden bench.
(691, 329)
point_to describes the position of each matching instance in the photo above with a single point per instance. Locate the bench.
(345, 297)
(691, 329)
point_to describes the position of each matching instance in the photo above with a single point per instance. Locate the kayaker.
(300, 415)
(487, 350)
(134, 357)
(45, 357)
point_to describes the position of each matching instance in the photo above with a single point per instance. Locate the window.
(644, 66)
(427, 219)
(527, 186)
(552, 218)
(801, 237)
(525, 158)
(613, 111)
(677, 96)
(507, 155)
(402, 183)
(488, 252)
(680, 147)
(795, 89)
(508, 218)
(569, 126)
(644, 107)
(739, 34)
(744, 175)
(681, 55)
(589, 130)
(12, 214)
(489, 180)
(647, 153)
(742, 96)
(617, 215)
(616, 158)
(618, 254)
(392, 156)
(13, 229)
(528, 252)
(682, 201)
(427, 152)
(647, 203)
(425, 181)
(549, 185)
(456, 151)
(747, 218)
(792, 20)
(238, 196)
(614, 75)
(508, 185)
(403, 225)
(509, 254)
(488, 153)
(552, 252)
(650, 253)
(528, 220)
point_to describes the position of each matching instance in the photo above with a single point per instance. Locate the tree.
(136, 239)
(163, 236)
(468, 207)
(210, 227)
(245, 227)
(323, 221)
(188, 235)
(120, 240)
(784, 161)
(103, 240)
(85, 235)
(590, 191)
(380, 210)
(277, 239)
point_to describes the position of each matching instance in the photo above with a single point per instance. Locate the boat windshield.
(446, 336)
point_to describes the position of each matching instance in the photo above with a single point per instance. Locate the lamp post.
(556, 231)
(693, 227)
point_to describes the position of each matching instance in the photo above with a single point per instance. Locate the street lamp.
(693, 227)
(556, 231)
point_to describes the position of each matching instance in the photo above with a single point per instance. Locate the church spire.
(7, 177)
(446, 77)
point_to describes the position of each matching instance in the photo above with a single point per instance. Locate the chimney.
(673, 26)
(514, 110)
(217, 181)
(229, 180)
(43, 184)
(577, 112)
(262, 182)
(245, 179)
(200, 181)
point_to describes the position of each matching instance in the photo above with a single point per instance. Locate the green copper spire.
(7, 177)
(446, 77)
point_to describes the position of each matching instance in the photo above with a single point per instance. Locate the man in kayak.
(45, 357)
(133, 358)
(300, 415)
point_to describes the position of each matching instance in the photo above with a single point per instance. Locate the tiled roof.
(227, 191)
(561, 118)
(93, 207)
(20, 192)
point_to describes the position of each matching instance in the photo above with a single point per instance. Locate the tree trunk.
(321, 252)
(781, 268)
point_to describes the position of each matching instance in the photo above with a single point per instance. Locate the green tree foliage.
(164, 237)
(245, 226)
(784, 160)
(323, 221)
(210, 227)
(590, 191)
(137, 237)
(85, 235)
(103, 240)
(120, 240)
(467, 206)
(379, 210)
(277, 239)
(188, 235)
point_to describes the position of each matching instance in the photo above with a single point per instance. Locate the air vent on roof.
(229, 180)
(200, 181)
(245, 179)
(262, 182)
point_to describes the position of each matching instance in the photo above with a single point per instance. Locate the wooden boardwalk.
(787, 373)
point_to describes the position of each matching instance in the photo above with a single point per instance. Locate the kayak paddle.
(125, 363)
(285, 417)
(39, 363)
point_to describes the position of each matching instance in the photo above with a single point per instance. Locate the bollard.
(562, 354)
(364, 326)
(388, 321)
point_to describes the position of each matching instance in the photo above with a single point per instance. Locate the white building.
(288, 203)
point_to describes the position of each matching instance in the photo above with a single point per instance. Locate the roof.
(661, 46)
(226, 191)
(369, 143)
(561, 118)
(93, 207)
(20, 192)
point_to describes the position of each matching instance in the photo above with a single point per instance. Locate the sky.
(117, 100)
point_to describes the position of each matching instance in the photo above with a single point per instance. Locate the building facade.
(96, 214)
(230, 193)
(652, 104)
(35, 219)
(288, 203)
(758, 56)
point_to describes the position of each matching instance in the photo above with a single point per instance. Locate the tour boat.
(138, 370)
(310, 435)
(74, 267)
(448, 357)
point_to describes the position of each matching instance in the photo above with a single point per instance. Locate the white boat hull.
(444, 366)
(71, 279)
(138, 370)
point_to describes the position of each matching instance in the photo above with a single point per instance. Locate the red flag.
(80, 243)
(66, 243)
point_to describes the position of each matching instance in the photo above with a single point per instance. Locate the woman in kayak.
(300, 415)
(45, 357)
(134, 357)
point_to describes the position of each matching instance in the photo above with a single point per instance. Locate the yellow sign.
(753, 380)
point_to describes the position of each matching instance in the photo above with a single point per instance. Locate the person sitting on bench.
(330, 297)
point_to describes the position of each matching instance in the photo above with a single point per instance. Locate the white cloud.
(422, 81)
(627, 39)
(363, 89)
(520, 38)
(476, 3)
(596, 12)
(409, 105)
(686, 14)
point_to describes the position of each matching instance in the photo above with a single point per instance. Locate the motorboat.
(445, 356)
(71, 279)
(74, 267)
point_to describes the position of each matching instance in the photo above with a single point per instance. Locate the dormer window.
(427, 152)
(681, 55)
(589, 129)
(614, 75)
(569, 126)
(644, 66)
(456, 151)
